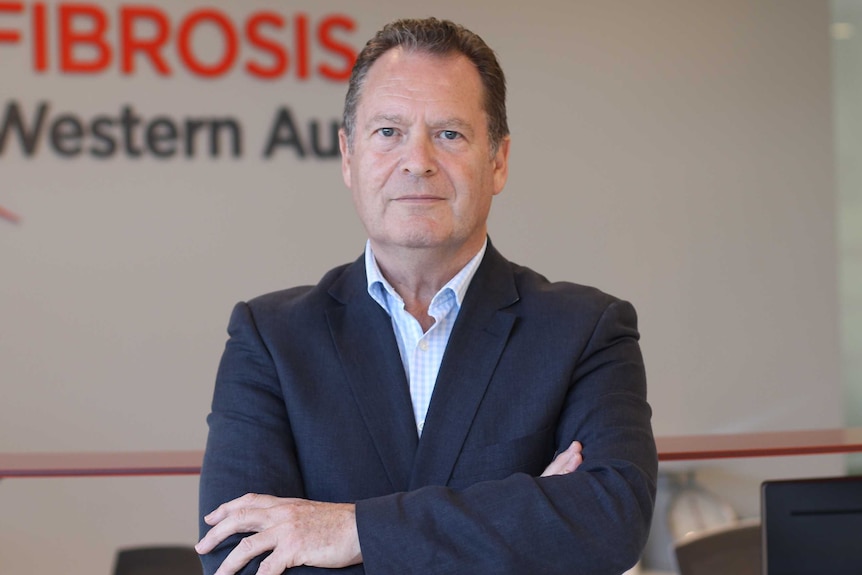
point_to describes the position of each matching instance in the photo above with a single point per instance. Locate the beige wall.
(677, 153)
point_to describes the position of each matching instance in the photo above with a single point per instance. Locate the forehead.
(404, 78)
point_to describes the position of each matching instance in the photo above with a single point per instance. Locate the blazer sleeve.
(250, 446)
(595, 520)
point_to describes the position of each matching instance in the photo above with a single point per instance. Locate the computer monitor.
(812, 526)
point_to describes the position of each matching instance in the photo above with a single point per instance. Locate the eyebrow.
(453, 123)
(446, 123)
(386, 118)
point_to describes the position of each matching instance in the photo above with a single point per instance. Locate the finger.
(249, 500)
(246, 550)
(554, 468)
(573, 462)
(574, 457)
(243, 520)
(571, 451)
(275, 564)
(566, 461)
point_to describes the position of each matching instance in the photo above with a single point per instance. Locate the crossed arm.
(593, 520)
(303, 532)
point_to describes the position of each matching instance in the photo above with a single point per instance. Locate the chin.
(419, 239)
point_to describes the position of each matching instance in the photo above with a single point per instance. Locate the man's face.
(420, 167)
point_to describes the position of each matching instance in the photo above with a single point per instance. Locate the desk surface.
(86, 464)
(670, 448)
(761, 444)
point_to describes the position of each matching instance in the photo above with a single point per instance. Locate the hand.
(297, 531)
(566, 461)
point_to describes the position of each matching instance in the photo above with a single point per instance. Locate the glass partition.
(846, 32)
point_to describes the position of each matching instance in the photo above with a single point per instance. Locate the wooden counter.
(670, 448)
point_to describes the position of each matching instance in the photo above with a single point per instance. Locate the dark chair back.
(169, 560)
(729, 550)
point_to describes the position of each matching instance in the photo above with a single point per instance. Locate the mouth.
(419, 198)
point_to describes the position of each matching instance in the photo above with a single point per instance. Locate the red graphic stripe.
(11, 35)
(10, 216)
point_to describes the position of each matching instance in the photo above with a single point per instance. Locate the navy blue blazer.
(311, 401)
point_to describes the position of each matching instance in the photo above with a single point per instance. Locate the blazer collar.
(362, 332)
(478, 339)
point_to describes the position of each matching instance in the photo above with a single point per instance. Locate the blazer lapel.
(363, 336)
(477, 341)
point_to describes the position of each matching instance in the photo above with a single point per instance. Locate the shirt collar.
(379, 287)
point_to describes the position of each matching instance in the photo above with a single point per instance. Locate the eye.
(450, 135)
(386, 132)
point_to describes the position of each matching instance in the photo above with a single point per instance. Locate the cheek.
(481, 209)
(361, 202)
(478, 190)
(372, 174)
(368, 203)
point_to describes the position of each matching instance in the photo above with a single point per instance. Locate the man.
(327, 447)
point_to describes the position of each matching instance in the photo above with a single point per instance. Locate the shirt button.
(423, 345)
(420, 426)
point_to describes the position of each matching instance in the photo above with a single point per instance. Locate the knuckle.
(271, 566)
(246, 545)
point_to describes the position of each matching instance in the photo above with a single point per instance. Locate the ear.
(501, 165)
(345, 157)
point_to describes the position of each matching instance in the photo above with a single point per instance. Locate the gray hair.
(438, 37)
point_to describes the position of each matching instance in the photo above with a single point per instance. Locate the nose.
(419, 157)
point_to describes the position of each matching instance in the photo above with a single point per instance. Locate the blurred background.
(161, 161)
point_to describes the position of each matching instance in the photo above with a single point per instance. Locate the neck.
(417, 274)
